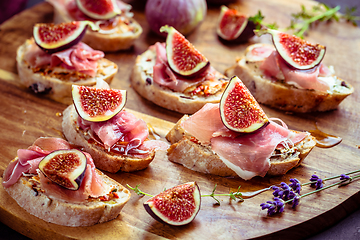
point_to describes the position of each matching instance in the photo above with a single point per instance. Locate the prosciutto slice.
(80, 57)
(123, 129)
(164, 76)
(28, 161)
(247, 154)
(274, 66)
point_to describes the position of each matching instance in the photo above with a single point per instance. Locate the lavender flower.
(344, 177)
(291, 193)
(273, 206)
(295, 201)
(316, 182)
(295, 185)
(284, 192)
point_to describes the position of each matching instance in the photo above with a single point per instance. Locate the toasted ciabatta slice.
(29, 193)
(184, 102)
(284, 96)
(189, 152)
(103, 159)
(56, 82)
(121, 37)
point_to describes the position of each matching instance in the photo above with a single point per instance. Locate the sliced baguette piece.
(56, 83)
(29, 195)
(183, 102)
(104, 160)
(186, 150)
(120, 39)
(283, 96)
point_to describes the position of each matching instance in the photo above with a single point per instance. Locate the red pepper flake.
(115, 195)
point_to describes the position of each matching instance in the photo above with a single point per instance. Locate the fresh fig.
(98, 104)
(232, 26)
(99, 9)
(65, 168)
(239, 110)
(297, 52)
(183, 57)
(57, 37)
(175, 206)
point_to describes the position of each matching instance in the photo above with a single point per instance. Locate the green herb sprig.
(303, 20)
(258, 21)
(232, 195)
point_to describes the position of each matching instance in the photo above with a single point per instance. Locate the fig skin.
(244, 37)
(70, 176)
(71, 39)
(110, 14)
(149, 207)
(306, 48)
(243, 34)
(102, 97)
(201, 65)
(249, 115)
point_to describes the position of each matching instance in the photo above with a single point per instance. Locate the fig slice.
(99, 9)
(239, 110)
(97, 104)
(233, 26)
(57, 37)
(183, 58)
(175, 206)
(65, 168)
(297, 52)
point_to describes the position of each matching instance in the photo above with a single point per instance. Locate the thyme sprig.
(258, 21)
(138, 191)
(303, 20)
(232, 195)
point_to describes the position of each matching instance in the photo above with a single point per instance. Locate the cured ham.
(247, 154)
(27, 163)
(274, 66)
(164, 76)
(124, 130)
(80, 57)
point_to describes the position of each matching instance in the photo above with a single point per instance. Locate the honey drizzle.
(324, 140)
(152, 133)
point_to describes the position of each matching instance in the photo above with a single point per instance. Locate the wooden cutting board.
(24, 117)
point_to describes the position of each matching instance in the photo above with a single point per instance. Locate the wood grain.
(25, 117)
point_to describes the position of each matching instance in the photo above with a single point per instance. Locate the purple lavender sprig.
(291, 193)
(273, 206)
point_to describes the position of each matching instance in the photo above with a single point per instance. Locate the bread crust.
(143, 83)
(52, 86)
(103, 159)
(104, 42)
(186, 150)
(60, 212)
(283, 96)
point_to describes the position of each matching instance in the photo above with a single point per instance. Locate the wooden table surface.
(25, 117)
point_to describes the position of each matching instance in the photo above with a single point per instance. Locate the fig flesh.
(65, 168)
(57, 37)
(99, 9)
(97, 104)
(239, 110)
(232, 26)
(175, 206)
(183, 58)
(296, 52)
